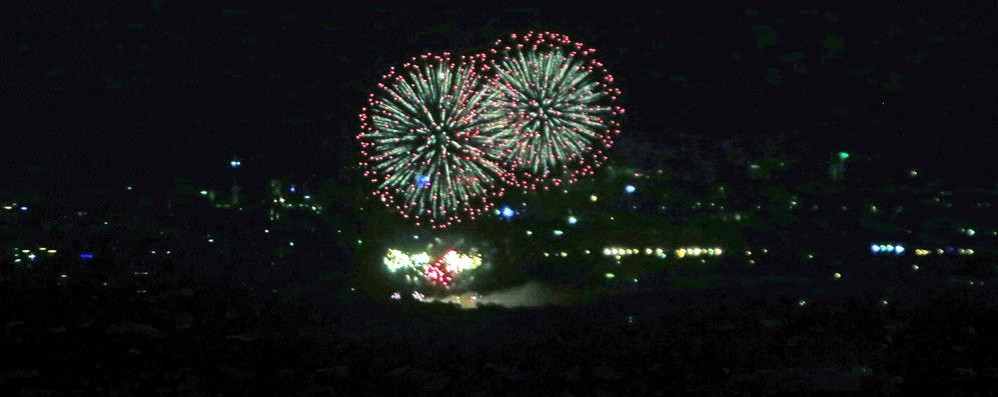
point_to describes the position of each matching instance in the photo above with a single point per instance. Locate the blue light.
(307, 197)
(422, 180)
(874, 248)
(293, 189)
(572, 220)
(235, 163)
(629, 189)
(507, 212)
(24, 209)
(899, 249)
(86, 256)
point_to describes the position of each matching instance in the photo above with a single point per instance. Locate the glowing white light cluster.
(457, 263)
(396, 260)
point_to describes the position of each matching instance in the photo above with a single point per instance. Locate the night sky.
(121, 122)
(162, 89)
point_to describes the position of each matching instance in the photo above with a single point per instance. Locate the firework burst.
(558, 101)
(428, 140)
(442, 271)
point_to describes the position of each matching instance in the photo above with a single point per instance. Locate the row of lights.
(14, 206)
(620, 252)
(681, 252)
(940, 251)
(32, 255)
(697, 251)
(899, 249)
(887, 249)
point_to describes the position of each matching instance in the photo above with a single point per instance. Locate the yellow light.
(648, 251)
(681, 252)
(52, 252)
(592, 198)
(396, 260)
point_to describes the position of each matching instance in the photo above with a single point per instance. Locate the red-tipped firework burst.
(559, 102)
(428, 140)
(441, 136)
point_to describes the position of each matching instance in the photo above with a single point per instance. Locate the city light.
(507, 213)
(629, 189)
(887, 249)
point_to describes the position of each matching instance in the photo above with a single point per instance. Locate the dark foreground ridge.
(207, 338)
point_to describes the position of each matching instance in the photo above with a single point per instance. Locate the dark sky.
(110, 95)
